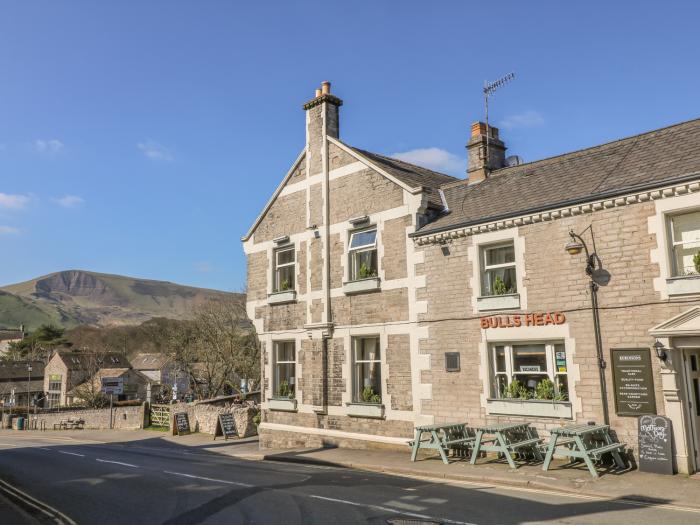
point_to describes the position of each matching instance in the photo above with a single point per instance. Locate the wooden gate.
(160, 416)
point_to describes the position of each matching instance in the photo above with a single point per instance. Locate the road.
(154, 481)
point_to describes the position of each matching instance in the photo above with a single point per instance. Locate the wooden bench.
(507, 438)
(69, 424)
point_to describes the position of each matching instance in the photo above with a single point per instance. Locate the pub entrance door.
(692, 373)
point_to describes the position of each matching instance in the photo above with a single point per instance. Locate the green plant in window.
(513, 389)
(696, 262)
(544, 389)
(284, 285)
(285, 390)
(499, 287)
(563, 391)
(366, 272)
(370, 396)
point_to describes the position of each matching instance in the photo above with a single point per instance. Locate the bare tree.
(218, 348)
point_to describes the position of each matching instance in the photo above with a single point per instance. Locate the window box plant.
(284, 296)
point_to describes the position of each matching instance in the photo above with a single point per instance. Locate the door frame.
(691, 409)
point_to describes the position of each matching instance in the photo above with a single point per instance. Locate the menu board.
(655, 445)
(182, 423)
(633, 381)
(226, 426)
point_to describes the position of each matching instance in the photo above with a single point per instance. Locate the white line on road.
(55, 514)
(117, 463)
(396, 511)
(8, 445)
(208, 479)
(71, 453)
(44, 448)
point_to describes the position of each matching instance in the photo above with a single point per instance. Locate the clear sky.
(144, 137)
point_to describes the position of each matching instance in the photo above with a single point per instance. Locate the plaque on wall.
(655, 445)
(633, 381)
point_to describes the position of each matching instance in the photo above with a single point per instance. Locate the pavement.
(143, 476)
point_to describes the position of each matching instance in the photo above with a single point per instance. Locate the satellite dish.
(514, 160)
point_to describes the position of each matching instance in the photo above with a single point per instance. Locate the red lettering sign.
(515, 321)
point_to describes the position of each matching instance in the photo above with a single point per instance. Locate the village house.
(19, 380)
(66, 370)
(10, 335)
(386, 295)
(134, 385)
(164, 372)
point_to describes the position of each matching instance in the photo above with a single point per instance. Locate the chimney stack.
(478, 166)
(322, 115)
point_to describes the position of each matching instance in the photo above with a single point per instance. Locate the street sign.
(113, 385)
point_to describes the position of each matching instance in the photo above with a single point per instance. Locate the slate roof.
(10, 334)
(85, 360)
(410, 174)
(640, 162)
(151, 361)
(18, 370)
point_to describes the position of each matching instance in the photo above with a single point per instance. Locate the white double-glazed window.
(285, 266)
(498, 272)
(684, 233)
(529, 371)
(285, 369)
(363, 254)
(367, 370)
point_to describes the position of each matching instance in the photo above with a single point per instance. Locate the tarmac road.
(156, 481)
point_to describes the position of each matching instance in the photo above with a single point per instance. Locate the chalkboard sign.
(182, 423)
(655, 445)
(633, 381)
(226, 426)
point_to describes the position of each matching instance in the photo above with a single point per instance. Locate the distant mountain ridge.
(77, 297)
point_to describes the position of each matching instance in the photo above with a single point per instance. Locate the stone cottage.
(387, 295)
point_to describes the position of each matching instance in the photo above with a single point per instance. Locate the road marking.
(44, 448)
(396, 511)
(117, 463)
(55, 514)
(8, 445)
(208, 479)
(71, 453)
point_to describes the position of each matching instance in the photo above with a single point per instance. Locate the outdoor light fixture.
(597, 275)
(660, 350)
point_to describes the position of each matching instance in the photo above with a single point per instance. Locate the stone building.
(17, 382)
(386, 295)
(66, 370)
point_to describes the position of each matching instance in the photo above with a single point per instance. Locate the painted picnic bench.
(586, 442)
(506, 439)
(68, 424)
(443, 438)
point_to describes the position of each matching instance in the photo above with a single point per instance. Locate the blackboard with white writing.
(633, 381)
(182, 423)
(655, 445)
(226, 426)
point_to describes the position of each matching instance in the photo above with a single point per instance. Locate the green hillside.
(75, 297)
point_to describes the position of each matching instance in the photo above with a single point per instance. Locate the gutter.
(561, 204)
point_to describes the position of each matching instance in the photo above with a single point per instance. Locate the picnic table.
(586, 442)
(506, 438)
(69, 424)
(443, 438)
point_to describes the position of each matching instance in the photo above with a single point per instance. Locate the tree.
(218, 348)
(39, 344)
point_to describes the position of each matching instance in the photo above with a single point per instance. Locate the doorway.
(692, 373)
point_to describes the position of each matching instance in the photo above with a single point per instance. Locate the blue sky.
(143, 138)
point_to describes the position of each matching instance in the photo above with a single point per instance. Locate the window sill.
(683, 285)
(288, 296)
(530, 407)
(282, 404)
(372, 410)
(372, 284)
(498, 302)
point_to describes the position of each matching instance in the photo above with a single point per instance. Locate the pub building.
(559, 291)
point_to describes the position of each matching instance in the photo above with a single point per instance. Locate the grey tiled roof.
(151, 361)
(411, 174)
(18, 370)
(648, 160)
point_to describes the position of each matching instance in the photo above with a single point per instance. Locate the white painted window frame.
(356, 396)
(353, 271)
(488, 267)
(672, 242)
(551, 372)
(276, 365)
(277, 267)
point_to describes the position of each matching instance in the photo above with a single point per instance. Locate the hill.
(76, 297)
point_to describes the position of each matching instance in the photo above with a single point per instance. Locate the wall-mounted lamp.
(660, 350)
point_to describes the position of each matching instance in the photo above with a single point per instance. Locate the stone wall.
(203, 417)
(123, 418)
